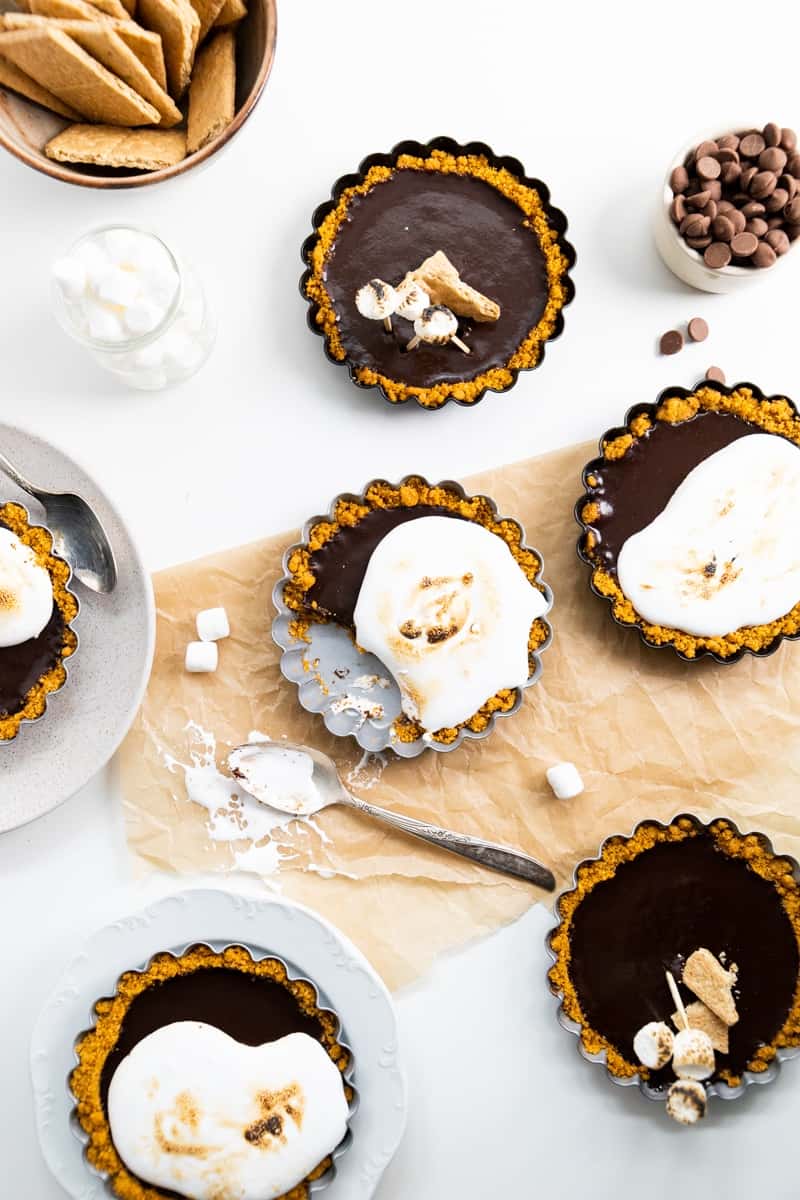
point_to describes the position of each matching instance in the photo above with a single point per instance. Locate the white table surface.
(594, 100)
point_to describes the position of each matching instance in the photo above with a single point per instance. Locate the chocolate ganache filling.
(22, 666)
(393, 228)
(651, 915)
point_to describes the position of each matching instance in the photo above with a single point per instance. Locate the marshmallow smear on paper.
(196, 1112)
(26, 591)
(724, 553)
(448, 611)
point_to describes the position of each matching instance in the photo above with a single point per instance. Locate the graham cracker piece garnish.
(110, 146)
(207, 11)
(712, 984)
(58, 64)
(701, 1017)
(179, 28)
(445, 286)
(18, 81)
(231, 13)
(107, 8)
(144, 44)
(212, 94)
(109, 49)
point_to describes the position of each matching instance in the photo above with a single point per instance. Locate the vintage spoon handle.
(11, 471)
(496, 858)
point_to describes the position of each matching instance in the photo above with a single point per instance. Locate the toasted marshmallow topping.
(200, 1114)
(686, 1101)
(280, 777)
(692, 1054)
(448, 611)
(653, 1045)
(26, 591)
(436, 325)
(412, 299)
(376, 300)
(724, 553)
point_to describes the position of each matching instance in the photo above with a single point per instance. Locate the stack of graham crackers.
(120, 69)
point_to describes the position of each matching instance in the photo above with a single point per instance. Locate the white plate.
(85, 722)
(319, 951)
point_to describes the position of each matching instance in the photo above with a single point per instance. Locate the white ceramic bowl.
(687, 263)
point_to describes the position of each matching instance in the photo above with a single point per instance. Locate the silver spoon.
(78, 535)
(268, 771)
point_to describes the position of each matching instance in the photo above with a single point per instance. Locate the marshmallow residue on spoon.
(724, 554)
(448, 611)
(277, 776)
(26, 591)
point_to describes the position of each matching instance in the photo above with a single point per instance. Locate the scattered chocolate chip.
(751, 145)
(717, 256)
(764, 255)
(715, 374)
(708, 168)
(698, 329)
(671, 342)
(744, 244)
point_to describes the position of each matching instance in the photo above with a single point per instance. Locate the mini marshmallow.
(118, 287)
(143, 317)
(70, 275)
(213, 624)
(686, 1101)
(94, 259)
(436, 324)
(653, 1045)
(412, 299)
(565, 780)
(692, 1054)
(120, 244)
(377, 301)
(201, 657)
(182, 351)
(104, 326)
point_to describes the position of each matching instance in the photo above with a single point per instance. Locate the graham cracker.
(712, 984)
(701, 1017)
(58, 64)
(109, 146)
(444, 285)
(212, 94)
(110, 50)
(18, 81)
(207, 11)
(144, 44)
(178, 25)
(231, 13)
(111, 8)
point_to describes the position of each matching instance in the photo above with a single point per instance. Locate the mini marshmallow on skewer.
(412, 299)
(437, 326)
(377, 301)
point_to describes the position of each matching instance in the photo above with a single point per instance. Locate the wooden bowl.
(25, 128)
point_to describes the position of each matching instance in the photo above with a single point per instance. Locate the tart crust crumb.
(527, 354)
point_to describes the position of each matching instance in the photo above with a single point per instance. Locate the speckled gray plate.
(85, 722)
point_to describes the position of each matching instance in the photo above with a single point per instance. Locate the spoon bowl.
(300, 780)
(78, 535)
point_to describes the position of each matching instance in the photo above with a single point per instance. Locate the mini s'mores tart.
(434, 590)
(212, 1073)
(448, 228)
(36, 613)
(689, 521)
(677, 960)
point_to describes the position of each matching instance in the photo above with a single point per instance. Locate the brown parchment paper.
(651, 736)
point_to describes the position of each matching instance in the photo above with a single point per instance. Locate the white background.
(594, 99)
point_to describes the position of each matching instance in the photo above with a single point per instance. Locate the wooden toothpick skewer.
(676, 996)
(461, 345)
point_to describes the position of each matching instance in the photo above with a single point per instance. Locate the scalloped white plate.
(304, 939)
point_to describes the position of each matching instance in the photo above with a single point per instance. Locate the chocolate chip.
(764, 256)
(747, 174)
(725, 206)
(744, 244)
(773, 159)
(728, 141)
(705, 150)
(778, 240)
(695, 225)
(679, 180)
(671, 342)
(715, 374)
(763, 184)
(777, 201)
(722, 228)
(677, 210)
(738, 220)
(698, 329)
(757, 226)
(793, 166)
(710, 210)
(772, 134)
(708, 168)
(717, 256)
(753, 208)
(715, 188)
(730, 172)
(725, 155)
(751, 145)
(699, 199)
(792, 211)
(792, 232)
(698, 243)
(775, 222)
(788, 140)
(789, 184)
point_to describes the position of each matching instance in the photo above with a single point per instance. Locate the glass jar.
(170, 306)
